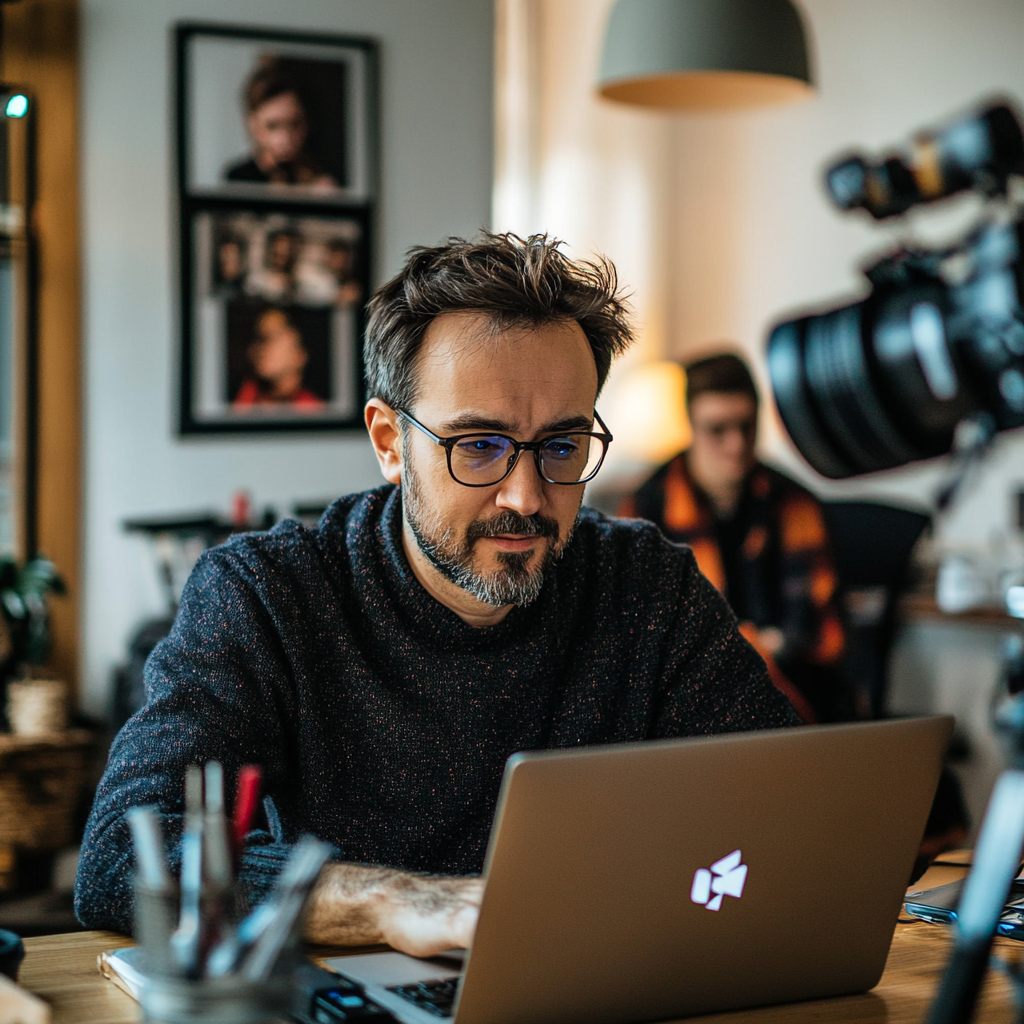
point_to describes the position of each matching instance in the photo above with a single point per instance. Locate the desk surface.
(62, 969)
(923, 607)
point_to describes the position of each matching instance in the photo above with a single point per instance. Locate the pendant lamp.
(704, 54)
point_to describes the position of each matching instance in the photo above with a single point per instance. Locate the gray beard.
(514, 582)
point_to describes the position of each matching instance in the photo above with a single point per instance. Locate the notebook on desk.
(656, 880)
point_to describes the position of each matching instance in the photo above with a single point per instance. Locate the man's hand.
(418, 914)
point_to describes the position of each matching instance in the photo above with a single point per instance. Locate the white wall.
(436, 146)
(718, 222)
(883, 71)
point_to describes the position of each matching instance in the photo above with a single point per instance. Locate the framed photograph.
(275, 115)
(272, 318)
(276, 162)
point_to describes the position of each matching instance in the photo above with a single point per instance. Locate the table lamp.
(648, 416)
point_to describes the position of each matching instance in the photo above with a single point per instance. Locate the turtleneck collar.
(377, 557)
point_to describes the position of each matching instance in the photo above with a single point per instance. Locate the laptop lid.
(655, 880)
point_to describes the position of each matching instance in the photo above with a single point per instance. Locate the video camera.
(939, 341)
(932, 359)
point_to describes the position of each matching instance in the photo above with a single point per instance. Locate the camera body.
(939, 340)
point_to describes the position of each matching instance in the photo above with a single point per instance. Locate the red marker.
(249, 779)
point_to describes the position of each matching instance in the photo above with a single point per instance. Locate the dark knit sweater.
(381, 720)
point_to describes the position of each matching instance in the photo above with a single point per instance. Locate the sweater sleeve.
(713, 680)
(218, 688)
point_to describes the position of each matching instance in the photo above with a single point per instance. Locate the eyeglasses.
(718, 430)
(483, 459)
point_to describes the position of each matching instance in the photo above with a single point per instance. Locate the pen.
(149, 849)
(216, 899)
(153, 890)
(230, 951)
(217, 864)
(250, 778)
(185, 940)
(294, 882)
(293, 885)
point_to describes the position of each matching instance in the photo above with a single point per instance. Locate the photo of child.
(278, 315)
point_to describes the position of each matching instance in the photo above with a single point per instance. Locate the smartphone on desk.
(939, 905)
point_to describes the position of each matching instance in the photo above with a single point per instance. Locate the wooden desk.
(924, 607)
(62, 969)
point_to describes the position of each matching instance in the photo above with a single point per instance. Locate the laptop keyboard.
(436, 997)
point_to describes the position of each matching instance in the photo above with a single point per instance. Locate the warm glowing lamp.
(649, 413)
(704, 54)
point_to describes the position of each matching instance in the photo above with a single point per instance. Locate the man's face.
(278, 128)
(496, 541)
(724, 435)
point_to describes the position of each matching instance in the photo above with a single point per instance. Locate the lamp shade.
(649, 412)
(704, 54)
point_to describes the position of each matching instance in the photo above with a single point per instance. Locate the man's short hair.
(724, 373)
(513, 282)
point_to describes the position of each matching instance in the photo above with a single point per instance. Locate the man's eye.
(481, 447)
(561, 448)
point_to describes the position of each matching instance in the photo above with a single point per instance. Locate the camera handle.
(996, 859)
(971, 444)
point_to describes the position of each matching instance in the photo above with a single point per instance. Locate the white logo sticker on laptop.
(726, 878)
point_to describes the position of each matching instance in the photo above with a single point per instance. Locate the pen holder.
(229, 1000)
(156, 912)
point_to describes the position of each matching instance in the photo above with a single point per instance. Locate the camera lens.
(796, 406)
(869, 386)
(977, 151)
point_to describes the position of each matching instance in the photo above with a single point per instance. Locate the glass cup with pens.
(201, 963)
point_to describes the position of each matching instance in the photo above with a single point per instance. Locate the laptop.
(647, 881)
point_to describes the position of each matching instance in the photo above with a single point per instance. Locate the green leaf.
(39, 576)
(14, 604)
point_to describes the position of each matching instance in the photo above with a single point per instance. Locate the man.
(382, 667)
(275, 118)
(758, 536)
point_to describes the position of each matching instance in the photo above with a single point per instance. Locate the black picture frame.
(274, 274)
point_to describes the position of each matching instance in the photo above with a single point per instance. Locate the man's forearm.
(344, 908)
(419, 914)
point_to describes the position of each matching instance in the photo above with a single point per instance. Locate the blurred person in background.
(757, 535)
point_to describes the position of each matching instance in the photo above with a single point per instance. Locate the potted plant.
(35, 703)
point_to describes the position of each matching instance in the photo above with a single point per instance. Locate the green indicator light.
(17, 105)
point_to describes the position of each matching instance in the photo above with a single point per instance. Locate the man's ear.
(386, 438)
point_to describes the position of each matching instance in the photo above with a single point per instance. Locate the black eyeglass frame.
(448, 443)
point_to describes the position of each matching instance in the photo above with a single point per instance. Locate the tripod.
(996, 860)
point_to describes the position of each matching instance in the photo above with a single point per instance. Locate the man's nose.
(735, 440)
(523, 489)
(738, 439)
